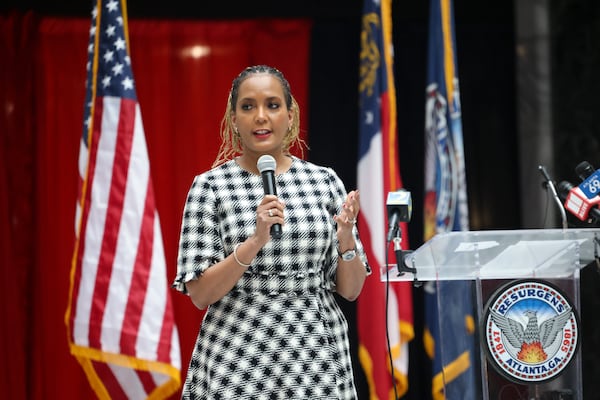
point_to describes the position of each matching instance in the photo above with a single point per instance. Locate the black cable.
(387, 333)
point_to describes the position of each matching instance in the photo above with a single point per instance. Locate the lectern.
(525, 303)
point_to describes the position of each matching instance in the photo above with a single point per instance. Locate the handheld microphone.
(399, 209)
(266, 166)
(591, 179)
(578, 203)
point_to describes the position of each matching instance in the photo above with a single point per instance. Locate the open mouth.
(262, 133)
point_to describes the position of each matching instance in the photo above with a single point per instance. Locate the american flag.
(379, 174)
(119, 318)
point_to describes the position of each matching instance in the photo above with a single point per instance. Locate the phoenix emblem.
(533, 338)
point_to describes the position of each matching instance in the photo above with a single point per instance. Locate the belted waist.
(275, 284)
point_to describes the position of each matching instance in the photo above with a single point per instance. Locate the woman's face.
(261, 115)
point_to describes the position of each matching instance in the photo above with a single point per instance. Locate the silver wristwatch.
(348, 255)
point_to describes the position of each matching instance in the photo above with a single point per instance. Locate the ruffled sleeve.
(200, 244)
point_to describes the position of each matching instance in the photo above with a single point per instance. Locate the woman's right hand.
(268, 213)
(218, 280)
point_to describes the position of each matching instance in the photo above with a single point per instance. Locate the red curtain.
(183, 71)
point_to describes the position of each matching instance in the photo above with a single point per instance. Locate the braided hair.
(231, 144)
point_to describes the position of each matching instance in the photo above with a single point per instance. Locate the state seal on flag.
(530, 331)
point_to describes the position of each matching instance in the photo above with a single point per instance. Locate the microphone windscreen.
(400, 202)
(564, 188)
(266, 163)
(584, 169)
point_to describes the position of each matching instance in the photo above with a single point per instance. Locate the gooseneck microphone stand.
(550, 184)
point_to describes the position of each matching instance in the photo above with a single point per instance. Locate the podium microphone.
(578, 203)
(591, 179)
(584, 170)
(549, 183)
(399, 209)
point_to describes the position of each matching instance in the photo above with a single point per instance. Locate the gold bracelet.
(236, 258)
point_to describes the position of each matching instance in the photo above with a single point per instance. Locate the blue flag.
(449, 333)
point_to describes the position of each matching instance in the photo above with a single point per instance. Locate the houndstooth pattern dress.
(279, 333)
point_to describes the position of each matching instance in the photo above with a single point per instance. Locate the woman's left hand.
(347, 218)
(351, 277)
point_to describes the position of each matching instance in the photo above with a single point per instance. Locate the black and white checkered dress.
(279, 333)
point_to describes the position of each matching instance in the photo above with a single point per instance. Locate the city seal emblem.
(530, 331)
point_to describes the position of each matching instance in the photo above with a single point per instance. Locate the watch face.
(348, 255)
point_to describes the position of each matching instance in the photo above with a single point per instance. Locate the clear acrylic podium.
(490, 260)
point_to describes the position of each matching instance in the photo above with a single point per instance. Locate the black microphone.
(577, 202)
(583, 170)
(266, 166)
(399, 209)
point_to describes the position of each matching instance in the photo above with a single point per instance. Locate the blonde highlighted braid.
(231, 145)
